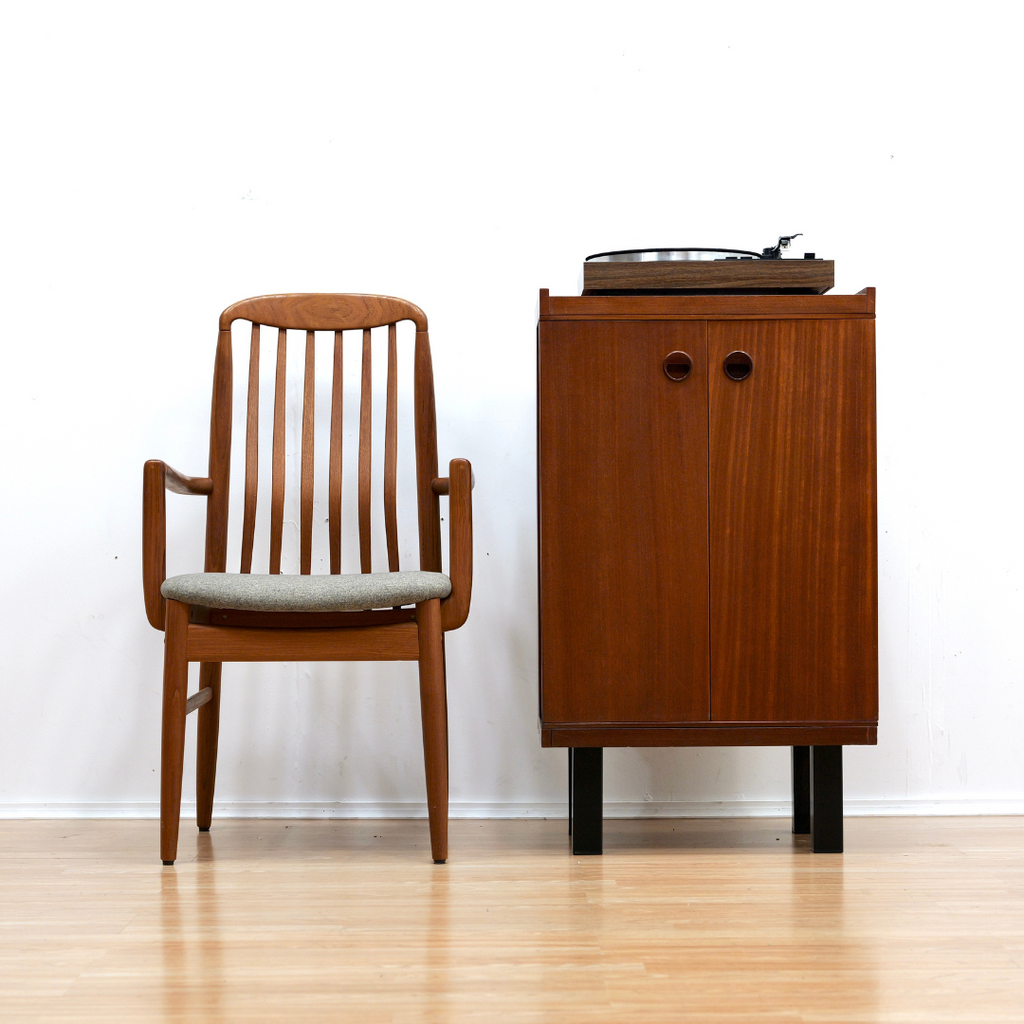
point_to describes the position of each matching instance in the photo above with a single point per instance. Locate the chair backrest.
(311, 313)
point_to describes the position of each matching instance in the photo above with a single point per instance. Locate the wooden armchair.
(216, 616)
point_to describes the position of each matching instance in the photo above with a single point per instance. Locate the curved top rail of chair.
(323, 311)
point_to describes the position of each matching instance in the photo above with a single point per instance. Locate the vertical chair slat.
(220, 457)
(334, 481)
(426, 457)
(252, 432)
(277, 470)
(365, 454)
(306, 489)
(391, 451)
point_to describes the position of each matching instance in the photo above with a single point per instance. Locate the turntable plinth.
(708, 277)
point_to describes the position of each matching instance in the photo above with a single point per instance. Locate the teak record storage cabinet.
(708, 548)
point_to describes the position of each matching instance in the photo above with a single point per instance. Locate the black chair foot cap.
(439, 862)
(168, 863)
(206, 829)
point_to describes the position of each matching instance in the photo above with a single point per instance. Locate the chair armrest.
(157, 479)
(455, 607)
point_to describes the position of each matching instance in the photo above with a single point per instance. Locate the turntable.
(695, 270)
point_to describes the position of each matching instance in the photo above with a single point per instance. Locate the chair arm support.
(440, 485)
(181, 484)
(455, 607)
(157, 479)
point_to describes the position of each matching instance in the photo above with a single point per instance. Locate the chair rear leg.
(434, 712)
(206, 749)
(172, 747)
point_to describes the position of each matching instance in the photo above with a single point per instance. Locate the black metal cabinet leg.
(570, 790)
(801, 790)
(587, 800)
(827, 799)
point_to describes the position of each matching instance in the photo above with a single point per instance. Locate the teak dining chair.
(215, 616)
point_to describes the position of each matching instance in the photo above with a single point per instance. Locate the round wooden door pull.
(677, 365)
(738, 365)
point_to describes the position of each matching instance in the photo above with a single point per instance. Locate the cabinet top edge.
(704, 307)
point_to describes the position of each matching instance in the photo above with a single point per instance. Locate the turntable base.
(709, 277)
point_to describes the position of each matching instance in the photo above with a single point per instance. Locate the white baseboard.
(469, 809)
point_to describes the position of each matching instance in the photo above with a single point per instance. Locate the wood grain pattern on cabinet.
(792, 523)
(709, 734)
(785, 581)
(623, 523)
(706, 307)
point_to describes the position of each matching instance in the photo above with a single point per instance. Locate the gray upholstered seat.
(280, 593)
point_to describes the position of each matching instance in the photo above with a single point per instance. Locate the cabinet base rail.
(817, 797)
(711, 734)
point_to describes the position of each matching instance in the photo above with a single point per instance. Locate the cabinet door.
(622, 454)
(793, 550)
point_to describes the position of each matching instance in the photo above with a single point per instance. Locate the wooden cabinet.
(707, 520)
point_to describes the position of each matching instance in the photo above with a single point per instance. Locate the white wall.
(162, 161)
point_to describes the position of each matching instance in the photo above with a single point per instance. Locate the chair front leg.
(172, 746)
(434, 713)
(206, 748)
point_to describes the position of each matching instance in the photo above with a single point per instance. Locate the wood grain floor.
(702, 920)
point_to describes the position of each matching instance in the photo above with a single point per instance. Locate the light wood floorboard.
(699, 920)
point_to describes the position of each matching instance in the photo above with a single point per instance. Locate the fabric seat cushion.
(280, 593)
